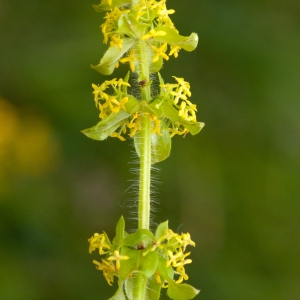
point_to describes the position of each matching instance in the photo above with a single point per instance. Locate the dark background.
(234, 187)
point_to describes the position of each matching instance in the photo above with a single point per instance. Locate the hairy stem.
(140, 287)
(145, 168)
(145, 144)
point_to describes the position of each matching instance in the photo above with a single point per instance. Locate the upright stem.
(140, 287)
(145, 143)
(145, 168)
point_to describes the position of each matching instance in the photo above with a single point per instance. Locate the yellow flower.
(112, 103)
(152, 33)
(114, 82)
(172, 258)
(181, 271)
(98, 91)
(176, 130)
(115, 41)
(157, 277)
(161, 51)
(108, 270)
(156, 125)
(117, 258)
(135, 124)
(174, 51)
(98, 241)
(117, 135)
(186, 240)
(105, 34)
(178, 259)
(131, 58)
(182, 110)
(109, 2)
(184, 84)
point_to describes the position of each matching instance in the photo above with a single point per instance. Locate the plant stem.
(140, 287)
(145, 168)
(145, 144)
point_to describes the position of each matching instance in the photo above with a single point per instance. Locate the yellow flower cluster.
(115, 103)
(174, 246)
(171, 245)
(112, 103)
(159, 16)
(178, 94)
(158, 8)
(110, 26)
(111, 265)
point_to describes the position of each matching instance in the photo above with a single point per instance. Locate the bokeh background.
(235, 187)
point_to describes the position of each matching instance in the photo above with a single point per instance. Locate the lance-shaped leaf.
(107, 240)
(128, 25)
(104, 6)
(146, 264)
(119, 295)
(171, 113)
(107, 126)
(119, 231)
(161, 230)
(124, 86)
(172, 37)
(112, 55)
(181, 291)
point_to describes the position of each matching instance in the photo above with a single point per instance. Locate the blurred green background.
(235, 187)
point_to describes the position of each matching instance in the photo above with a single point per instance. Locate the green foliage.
(181, 291)
(109, 60)
(157, 257)
(140, 34)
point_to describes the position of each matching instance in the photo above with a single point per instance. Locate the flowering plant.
(141, 33)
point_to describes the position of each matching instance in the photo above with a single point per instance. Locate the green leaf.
(104, 6)
(126, 79)
(152, 104)
(160, 146)
(107, 240)
(181, 291)
(129, 286)
(127, 24)
(164, 271)
(144, 107)
(106, 127)
(153, 289)
(172, 37)
(119, 231)
(112, 55)
(156, 66)
(140, 235)
(119, 295)
(161, 81)
(138, 262)
(171, 113)
(132, 105)
(161, 229)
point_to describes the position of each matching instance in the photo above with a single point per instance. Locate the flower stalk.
(141, 33)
